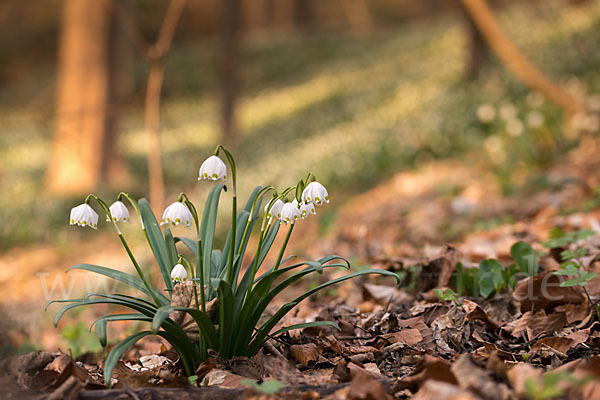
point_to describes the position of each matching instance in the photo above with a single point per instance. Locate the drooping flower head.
(315, 193)
(178, 273)
(275, 211)
(213, 168)
(307, 209)
(84, 215)
(119, 212)
(289, 213)
(177, 213)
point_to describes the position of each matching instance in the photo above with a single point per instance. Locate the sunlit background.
(356, 91)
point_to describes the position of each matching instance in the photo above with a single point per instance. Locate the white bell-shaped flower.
(315, 193)
(289, 213)
(84, 215)
(177, 213)
(213, 168)
(178, 273)
(275, 211)
(307, 209)
(119, 212)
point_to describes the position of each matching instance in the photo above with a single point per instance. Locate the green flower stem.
(234, 209)
(200, 269)
(255, 263)
(135, 205)
(232, 242)
(131, 256)
(252, 210)
(139, 270)
(285, 243)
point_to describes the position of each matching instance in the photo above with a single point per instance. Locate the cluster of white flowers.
(313, 194)
(84, 214)
(214, 169)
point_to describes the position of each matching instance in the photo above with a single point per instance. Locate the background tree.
(228, 65)
(515, 61)
(83, 94)
(155, 54)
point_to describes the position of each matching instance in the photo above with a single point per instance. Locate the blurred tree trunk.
(514, 60)
(230, 15)
(359, 16)
(155, 53)
(303, 13)
(121, 87)
(75, 164)
(478, 53)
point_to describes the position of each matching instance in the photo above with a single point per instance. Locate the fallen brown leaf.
(520, 373)
(429, 368)
(476, 313)
(472, 378)
(307, 354)
(543, 291)
(438, 390)
(562, 344)
(364, 386)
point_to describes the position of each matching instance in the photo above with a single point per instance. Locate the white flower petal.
(177, 213)
(84, 215)
(213, 168)
(178, 273)
(289, 213)
(119, 212)
(315, 193)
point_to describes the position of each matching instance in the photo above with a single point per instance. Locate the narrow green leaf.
(204, 323)
(271, 322)
(207, 229)
(122, 317)
(157, 242)
(192, 245)
(101, 332)
(115, 355)
(226, 317)
(126, 278)
(171, 248)
(306, 325)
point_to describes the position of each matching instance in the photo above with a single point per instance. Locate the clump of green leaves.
(446, 295)
(572, 264)
(238, 327)
(492, 276)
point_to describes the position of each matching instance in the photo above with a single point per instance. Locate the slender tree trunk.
(514, 60)
(303, 13)
(477, 53)
(121, 67)
(230, 11)
(75, 163)
(359, 16)
(154, 153)
(155, 54)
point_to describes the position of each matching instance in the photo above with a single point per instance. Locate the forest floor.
(533, 339)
